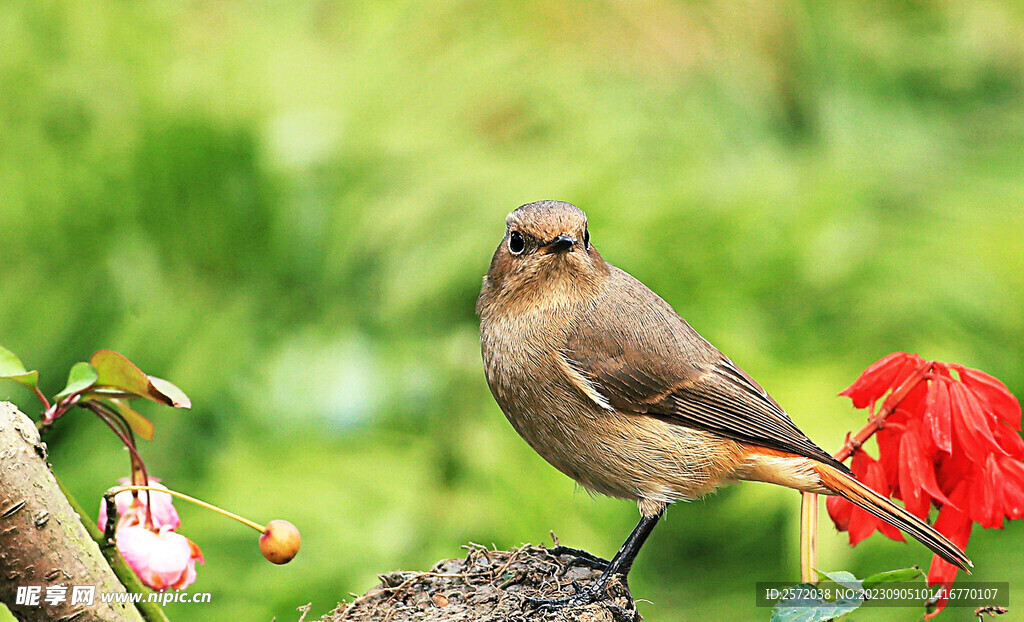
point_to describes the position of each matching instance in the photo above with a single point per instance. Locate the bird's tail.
(870, 501)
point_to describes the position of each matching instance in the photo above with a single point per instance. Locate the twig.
(808, 537)
(877, 421)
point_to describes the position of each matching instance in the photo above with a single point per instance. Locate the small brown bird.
(606, 382)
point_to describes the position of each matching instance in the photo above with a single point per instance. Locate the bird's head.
(545, 258)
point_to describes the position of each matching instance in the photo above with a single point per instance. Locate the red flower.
(956, 525)
(949, 440)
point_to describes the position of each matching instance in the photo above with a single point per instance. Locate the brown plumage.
(613, 388)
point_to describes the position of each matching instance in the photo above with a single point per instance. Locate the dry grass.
(489, 585)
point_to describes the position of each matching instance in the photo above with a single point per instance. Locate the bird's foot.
(597, 592)
(580, 558)
(593, 594)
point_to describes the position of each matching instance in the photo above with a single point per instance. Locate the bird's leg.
(619, 566)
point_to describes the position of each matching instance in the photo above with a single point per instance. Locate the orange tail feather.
(870, 501)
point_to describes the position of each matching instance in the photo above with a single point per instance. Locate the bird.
(603, 379)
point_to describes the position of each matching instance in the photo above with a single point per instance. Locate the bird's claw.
(580, 558)
(595, 593)
(582, 598)
(621, 614)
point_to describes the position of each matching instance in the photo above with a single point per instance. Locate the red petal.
(953, 469)
(938, 415)
(997, 484)
(914, 404)
(1013, 487)
(994, 484)
(956, 526)
(876, 379)
(983, 505)
(976, 417)
(941, 571)
(888, 438)
(921, 469)
(1010, 440)
(839, 510)
(912, 364)
(911, 475)
(952, 527)
(862, 524)
(1013, 470)
(976, 499)
(929, 452)
(1013, 502)
(890, 532)
(994, 394)
(860, 462)
(970, 426)
(875, 479)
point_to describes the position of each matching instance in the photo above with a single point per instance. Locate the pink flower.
(162, 559)
(132, 510)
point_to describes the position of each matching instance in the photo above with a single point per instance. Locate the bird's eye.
(516, 243)
(586, 239)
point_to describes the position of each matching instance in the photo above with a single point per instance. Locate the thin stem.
(808, 537)
(120, 427)
(56, 410)
(42, 398)
(200, 503)
(809, 501)
(123, 430)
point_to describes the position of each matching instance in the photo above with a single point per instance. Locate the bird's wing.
(640, 357)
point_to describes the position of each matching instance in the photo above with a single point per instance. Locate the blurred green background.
(286, 209)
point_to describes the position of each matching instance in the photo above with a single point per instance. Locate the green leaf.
(841, 577)
(114, 370)
(81, 377)
(811, 606)
(124, 377)
(12, 368)
(138, 423)
(172, 394)
(904, 575)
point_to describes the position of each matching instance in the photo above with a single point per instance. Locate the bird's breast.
(524, 371)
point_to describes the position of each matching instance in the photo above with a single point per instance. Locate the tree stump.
(491, 586)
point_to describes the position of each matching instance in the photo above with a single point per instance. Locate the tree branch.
(42, 539)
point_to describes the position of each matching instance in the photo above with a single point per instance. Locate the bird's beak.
(560, 244)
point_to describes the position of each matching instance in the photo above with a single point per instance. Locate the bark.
(42, 540)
